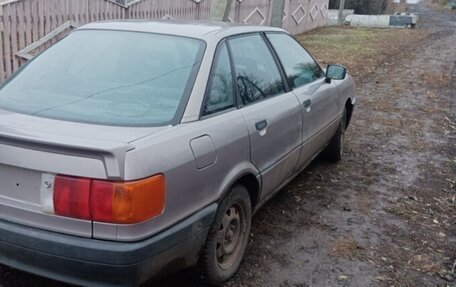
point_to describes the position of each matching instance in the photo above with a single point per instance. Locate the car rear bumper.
(90, 262)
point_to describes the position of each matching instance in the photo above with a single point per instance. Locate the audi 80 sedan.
(129, 150)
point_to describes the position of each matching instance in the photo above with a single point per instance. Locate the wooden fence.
(27, 27)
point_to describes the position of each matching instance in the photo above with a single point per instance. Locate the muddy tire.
(335, 150)
(228, 236)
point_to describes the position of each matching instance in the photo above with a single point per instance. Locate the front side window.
(220, 94)
(257, 74)
(108, 78)
(299, 66)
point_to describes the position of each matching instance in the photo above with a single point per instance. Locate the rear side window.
(220, 94)
(257, 74)
(109, 78)
(299, 66)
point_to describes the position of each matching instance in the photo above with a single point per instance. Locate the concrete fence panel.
(304, 15)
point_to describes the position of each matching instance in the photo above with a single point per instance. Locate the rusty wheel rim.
(230, 236)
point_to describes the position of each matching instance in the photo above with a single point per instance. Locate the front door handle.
(261, 125)
(307, 104)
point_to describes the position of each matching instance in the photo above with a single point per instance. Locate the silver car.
(129, 150)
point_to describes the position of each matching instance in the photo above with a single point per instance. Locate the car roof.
(204, 30)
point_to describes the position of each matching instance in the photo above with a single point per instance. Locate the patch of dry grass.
(434, 80)
(345, 247)
(361, 50)
(423, 263)
(364, 204)
(402, 211)
(441, 5)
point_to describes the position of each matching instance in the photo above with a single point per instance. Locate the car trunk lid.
(34, 149)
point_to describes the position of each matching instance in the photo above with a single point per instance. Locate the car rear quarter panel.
(188, 188)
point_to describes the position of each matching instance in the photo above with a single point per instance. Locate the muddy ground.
(386, 214)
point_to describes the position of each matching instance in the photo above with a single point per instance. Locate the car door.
(273, 116)
(318, 98)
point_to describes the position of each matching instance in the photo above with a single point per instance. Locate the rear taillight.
(72, 197)
(109, 201)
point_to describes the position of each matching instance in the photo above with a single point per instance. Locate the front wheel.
(227, 238)
(335, 149)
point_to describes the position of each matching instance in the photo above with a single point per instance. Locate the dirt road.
(386, 214)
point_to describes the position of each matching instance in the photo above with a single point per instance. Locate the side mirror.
(335, 72)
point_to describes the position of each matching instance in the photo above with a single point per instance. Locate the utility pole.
(277, 13)
(220, 10)
(341, 11)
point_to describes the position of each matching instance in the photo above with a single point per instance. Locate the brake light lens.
(108, 201)
(72, 197)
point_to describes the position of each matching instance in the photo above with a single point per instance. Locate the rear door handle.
(261, 125)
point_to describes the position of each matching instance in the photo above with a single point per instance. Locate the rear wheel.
(335, 149)
(228, 237)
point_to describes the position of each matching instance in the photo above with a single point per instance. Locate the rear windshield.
(108, 78)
